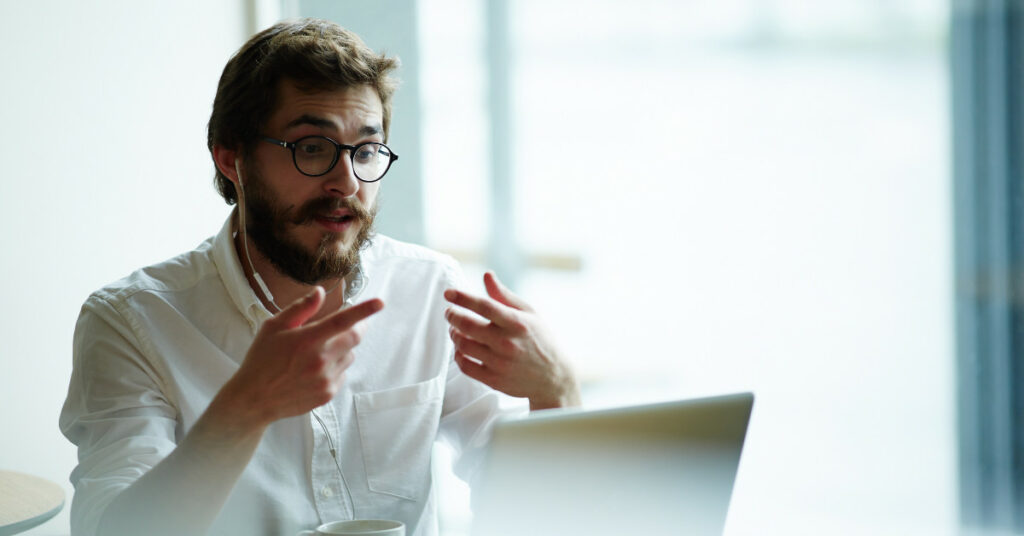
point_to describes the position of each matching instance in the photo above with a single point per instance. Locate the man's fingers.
(343, 359)
(472, 326)
(475, 349)
(475, 370)
(301, 309)
(482, 306)
(344, 319)
(345, 341)
(497, 290)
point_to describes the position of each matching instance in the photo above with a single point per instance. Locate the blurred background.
(699, 196)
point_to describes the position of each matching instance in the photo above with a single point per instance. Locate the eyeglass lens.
(315, 155)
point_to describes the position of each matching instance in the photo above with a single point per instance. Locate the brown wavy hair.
(315, 54)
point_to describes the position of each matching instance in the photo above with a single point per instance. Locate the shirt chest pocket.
(397, 428)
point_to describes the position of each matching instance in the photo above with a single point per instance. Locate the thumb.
(301, 309)
(498, 291)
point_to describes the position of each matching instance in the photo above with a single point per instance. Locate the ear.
(225, 160)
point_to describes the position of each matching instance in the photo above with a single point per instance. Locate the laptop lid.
(664, 468)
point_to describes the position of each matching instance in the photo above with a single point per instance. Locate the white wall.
(103, 169)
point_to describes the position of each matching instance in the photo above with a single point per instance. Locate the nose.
(341, 181)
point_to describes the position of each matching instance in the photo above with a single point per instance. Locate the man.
(296, 368)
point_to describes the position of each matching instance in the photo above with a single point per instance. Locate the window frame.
(987, 81)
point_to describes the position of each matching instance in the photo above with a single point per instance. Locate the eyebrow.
(306, 119)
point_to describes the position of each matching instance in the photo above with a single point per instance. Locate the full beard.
(267, 224)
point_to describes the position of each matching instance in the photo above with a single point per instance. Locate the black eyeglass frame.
(338, 148)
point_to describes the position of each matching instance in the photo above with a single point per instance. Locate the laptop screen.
(664, 468)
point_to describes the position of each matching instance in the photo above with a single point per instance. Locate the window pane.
(454, 115)
(759, 192)
(759, 195)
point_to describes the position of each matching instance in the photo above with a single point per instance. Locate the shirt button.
(326, 492)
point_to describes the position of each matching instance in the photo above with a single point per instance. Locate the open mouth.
(335, 223)
(337, 219)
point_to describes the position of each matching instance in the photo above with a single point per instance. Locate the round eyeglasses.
(317, 155)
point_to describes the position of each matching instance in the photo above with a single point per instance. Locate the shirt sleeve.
(116, 413)
(471, 409)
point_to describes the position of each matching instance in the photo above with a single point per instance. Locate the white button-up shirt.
(152, 350)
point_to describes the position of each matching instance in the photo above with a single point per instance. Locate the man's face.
(311, 228)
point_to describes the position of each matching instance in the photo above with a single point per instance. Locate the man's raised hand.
(510, 348)
(294, 365)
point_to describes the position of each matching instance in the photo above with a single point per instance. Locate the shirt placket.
(331, 495)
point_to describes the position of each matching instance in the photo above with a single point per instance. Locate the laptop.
(665, 468)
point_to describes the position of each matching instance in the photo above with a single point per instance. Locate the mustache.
(326, 205)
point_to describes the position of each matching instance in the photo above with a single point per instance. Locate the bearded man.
(297, 367)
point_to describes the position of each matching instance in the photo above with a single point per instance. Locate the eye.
(369, 152)
(313, 148)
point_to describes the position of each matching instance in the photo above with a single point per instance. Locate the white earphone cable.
(270, 298)
(245, 242)
(334, 455)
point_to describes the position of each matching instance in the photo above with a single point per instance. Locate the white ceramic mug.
(358, 527)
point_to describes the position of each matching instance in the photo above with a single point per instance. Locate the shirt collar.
(225, 257)
(230, 269)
